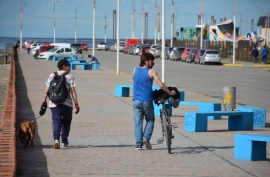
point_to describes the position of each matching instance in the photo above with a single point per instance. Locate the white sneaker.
(56, 144)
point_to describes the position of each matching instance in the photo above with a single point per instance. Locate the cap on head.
(62, 62)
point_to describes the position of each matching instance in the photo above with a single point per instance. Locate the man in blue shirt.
(143, 107)
(264, 55)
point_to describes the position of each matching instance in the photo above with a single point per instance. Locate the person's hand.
(43, 108)
(77, 108)
(173, 92)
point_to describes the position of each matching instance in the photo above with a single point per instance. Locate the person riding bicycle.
(143, 107)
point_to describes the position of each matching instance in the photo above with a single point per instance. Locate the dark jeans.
(61, 121)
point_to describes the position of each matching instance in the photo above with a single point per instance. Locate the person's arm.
(153, 75)
(74, 95)
(45, 94)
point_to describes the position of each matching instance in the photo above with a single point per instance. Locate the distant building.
(265, 33)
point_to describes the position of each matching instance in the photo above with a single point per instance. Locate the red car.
(84, 46)
(43, 48)
(185, 54)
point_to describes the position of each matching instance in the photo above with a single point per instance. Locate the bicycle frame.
(166, 127)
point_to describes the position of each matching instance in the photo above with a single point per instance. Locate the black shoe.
(138, 147)
(147, 144)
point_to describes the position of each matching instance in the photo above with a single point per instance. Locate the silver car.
(210, 56)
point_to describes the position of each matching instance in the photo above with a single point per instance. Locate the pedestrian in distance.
(62, 112)
(254, 54)
(264, 54)
(16, 50)
(143, 107)
(92, 59)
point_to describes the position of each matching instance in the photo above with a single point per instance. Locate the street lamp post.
(105, 26)
(266, 31)
(94, 27)
(156, 7)
(76, 23)
(21, 20)
(54, 20)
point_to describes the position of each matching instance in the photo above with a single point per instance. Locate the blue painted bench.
(76, 61)
(250, 146)
(95, 66)
(122, 90)
(204, 107)
(198, 121)
(74, 57)
(84, 66)
(259, 115)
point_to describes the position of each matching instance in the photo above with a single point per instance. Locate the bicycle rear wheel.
(167, 132)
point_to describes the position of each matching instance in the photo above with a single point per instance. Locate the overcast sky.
(38, 16)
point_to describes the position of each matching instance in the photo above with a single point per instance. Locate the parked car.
(131, 49)
(198, 56)
(176, 53)
(34, 44)
(84, 46)
(155, 50)
(167, 52)
(136, 50)
(42, 48)
(121, 47)
(192, 55)
(77, 47)
(185, 53)
(58, 52)
(102, 46)
(210, 56)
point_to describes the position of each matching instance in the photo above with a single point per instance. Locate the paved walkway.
(102, 138)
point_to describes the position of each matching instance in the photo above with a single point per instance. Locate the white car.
(58, 52)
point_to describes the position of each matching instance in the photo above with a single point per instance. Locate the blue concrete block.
(74, 57)
(241, 122)
(122, 91)
(195, 123)
(259, 115)
(250, 146)
(54, 58)
(96, 66)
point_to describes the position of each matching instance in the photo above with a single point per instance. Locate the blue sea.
(13, 40)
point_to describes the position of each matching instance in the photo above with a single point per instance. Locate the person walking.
(143, 107)
(16, 50)
(264, 54)
(254, 54)
(62, 113)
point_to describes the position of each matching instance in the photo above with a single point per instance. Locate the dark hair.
(89, 56)
(62, 62)
(146, 57)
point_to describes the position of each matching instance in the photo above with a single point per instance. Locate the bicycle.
(166, 126)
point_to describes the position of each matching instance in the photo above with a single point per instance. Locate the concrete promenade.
(102, 141)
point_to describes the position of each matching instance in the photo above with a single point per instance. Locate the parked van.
(60, 44)
(58, 52)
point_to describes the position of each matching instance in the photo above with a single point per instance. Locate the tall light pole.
(267, 12)
(76, 23)
(156, 6)
(94, 27)
(21, 21)
(234, 30)
(163, 42)
(172, 23)
(202, 7)
(142, 34)
(117, 34)
(133, 19)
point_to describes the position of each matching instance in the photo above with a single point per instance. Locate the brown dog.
(27, 133)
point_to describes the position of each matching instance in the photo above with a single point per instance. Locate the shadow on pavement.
(27, 156)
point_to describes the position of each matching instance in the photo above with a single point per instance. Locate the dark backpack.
(58, 91)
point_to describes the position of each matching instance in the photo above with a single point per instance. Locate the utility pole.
(234, 30)
(172, 22)
(133, 20)
(94, 27)
(105, 27)
(202, 7)
(54, 23)
(142, 23)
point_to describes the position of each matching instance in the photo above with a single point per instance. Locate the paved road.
(102, 139)
(252, 83)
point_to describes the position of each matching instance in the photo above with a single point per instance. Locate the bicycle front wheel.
(167, 132)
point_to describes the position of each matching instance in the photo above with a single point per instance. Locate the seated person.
(92, 59)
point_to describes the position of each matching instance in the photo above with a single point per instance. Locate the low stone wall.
(8, 126)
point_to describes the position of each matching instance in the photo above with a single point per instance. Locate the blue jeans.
(143, 110)
(61, 121)
(263, 59)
